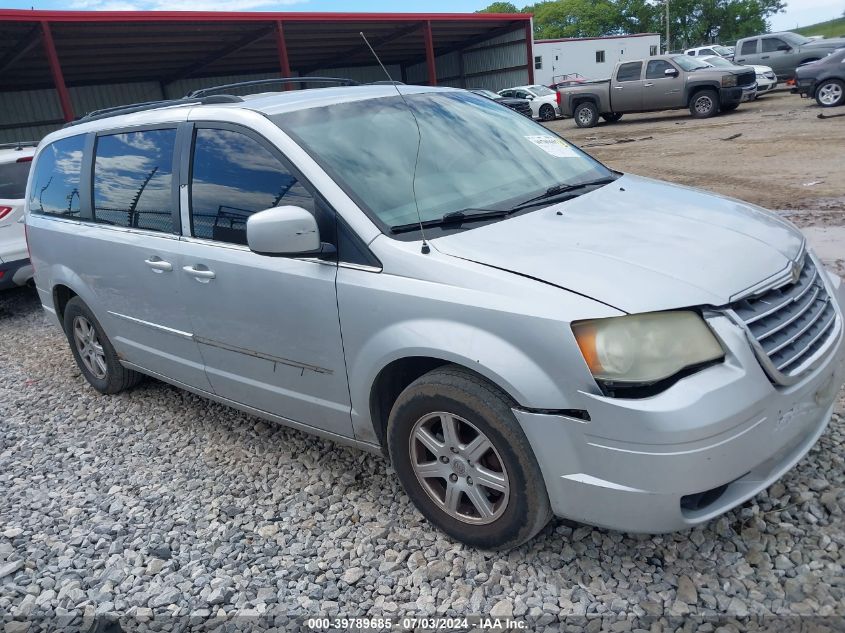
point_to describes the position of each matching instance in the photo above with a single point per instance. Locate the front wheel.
(464, 461)
(94, 354)
(611, 117)
(830, 92)
(704, 104)
(586, 114)
(547, 113)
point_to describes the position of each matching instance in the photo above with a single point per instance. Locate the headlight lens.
(645, 348)
(728, 81)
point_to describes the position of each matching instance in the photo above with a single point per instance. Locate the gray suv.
(523, 334)
(784, 52)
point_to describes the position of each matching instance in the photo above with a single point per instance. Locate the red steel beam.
(529, 47)
(429, 54)
(56, 70)
(282, 45)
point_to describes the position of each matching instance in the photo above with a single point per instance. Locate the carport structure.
(63, 50)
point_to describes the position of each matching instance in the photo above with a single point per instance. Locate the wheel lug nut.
(444, 459)
(453, 449)
(469, 480)
(453, 478)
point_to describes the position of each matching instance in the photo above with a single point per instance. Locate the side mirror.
(283, 231)
(671, 72)
(784, 47)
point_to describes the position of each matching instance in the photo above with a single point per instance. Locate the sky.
(798, 12)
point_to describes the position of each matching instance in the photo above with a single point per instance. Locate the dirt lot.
(785, 157)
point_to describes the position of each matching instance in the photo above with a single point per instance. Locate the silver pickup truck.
(663, 82)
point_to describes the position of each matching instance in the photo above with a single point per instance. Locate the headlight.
(645, 348)
(728, 81)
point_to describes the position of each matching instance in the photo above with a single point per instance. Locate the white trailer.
(589, 57)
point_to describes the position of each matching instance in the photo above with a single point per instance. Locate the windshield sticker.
(554, 146)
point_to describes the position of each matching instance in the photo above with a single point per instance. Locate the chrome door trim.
(155, 326)
(273, 359)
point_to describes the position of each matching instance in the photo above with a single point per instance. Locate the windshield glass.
(487, 93)
(474, 154)
(13, 180)
(720, 62)
(689, 63)
(794, 38)
(722, 50)
(541, 91)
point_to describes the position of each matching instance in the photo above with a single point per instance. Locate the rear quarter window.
(13, 180)
(56, 177)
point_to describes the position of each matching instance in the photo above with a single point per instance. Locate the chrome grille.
(790, 324)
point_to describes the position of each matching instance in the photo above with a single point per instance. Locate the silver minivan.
(424, 273)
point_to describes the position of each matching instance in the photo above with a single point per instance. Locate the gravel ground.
(159, 503)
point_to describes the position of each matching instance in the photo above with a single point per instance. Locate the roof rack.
(152, 105)
(281, 80)
(18, 144)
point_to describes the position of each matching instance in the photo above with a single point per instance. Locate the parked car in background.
(525, 333)
(523, 106)
(765, 76)
(545, 103)
(784, 52)
(713, 49)
(664, 82)
(564, 81)
(15, 161)
(823, 80)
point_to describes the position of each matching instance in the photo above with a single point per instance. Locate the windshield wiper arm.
(559, 190)
(453, 218)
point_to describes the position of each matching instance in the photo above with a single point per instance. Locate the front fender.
(692, 86)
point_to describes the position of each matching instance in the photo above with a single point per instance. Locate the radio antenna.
(425, 248)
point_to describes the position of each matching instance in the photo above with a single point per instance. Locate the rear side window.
(629, 72)
(55, 181)
(232, 177)
(749, 47)
(13, 180)
(133, 178)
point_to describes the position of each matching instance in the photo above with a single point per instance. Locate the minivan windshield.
(474, 154)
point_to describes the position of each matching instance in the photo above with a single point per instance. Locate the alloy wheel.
(89, 347)
(703, 104)
(830, 94)
(459, 468)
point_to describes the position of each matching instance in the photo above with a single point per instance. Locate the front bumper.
(805, 87)
(725, 430)
(15, 273)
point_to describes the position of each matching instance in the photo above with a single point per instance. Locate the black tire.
(586, 114)
(117, 378)
(451, 389)
(830, 93)
(611, 117)
(704, 104)
(547, 112)
(731, 107)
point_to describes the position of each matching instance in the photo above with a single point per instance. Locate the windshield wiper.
(453, 218)
(560, 190)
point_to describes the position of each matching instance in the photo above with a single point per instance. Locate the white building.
(592, 57)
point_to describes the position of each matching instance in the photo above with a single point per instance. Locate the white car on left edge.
(766, 78)
(15, 161)
(545, 102)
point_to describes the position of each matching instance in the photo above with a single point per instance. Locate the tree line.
(691, 22)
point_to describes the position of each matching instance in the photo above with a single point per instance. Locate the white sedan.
(545, 102)
(766, 78)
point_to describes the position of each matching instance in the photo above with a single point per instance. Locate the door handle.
(202, 274)
(158, 264)
(648, 85)
(742, 59)
(618, 87)
(765, 57)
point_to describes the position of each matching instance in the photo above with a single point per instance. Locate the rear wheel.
(612, 117)
(547, 112)
(93, 351)
(830, 93)
(464, 461)
(586, 114)
(704, 104)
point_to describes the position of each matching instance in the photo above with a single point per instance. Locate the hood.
(831, 42)
(638, 245)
